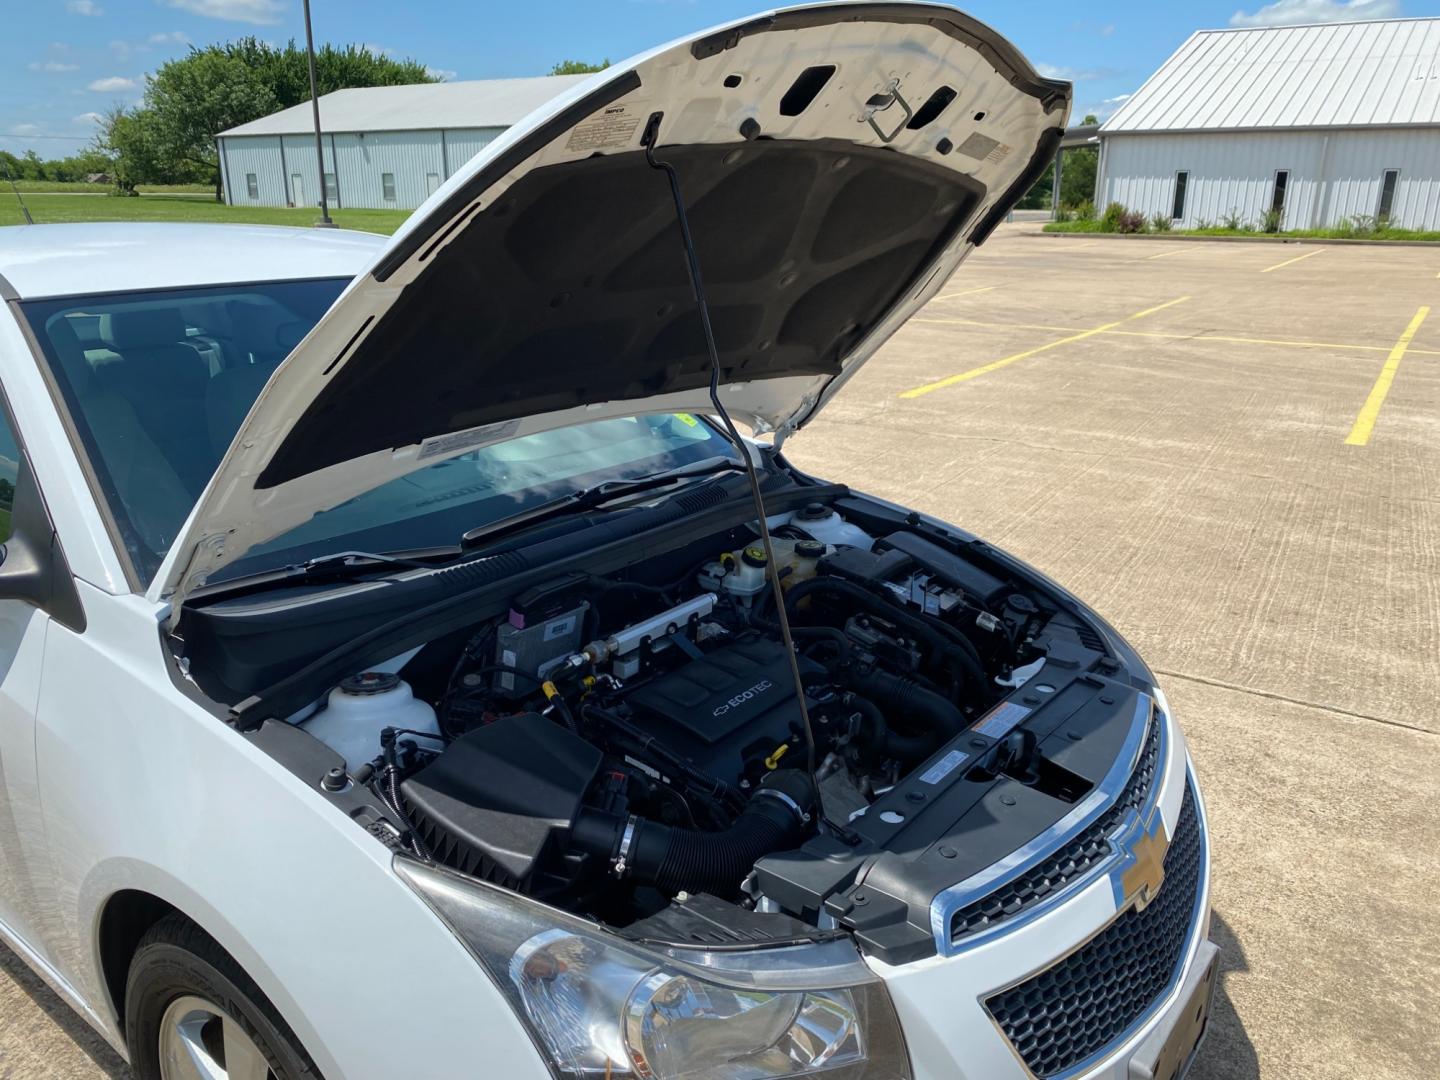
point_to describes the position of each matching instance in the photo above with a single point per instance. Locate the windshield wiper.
(589, 499)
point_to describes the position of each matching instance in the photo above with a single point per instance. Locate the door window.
(9, 473)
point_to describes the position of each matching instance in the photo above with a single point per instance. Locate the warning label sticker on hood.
(613, 126)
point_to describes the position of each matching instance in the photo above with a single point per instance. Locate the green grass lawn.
(50, 208)
(79, 186)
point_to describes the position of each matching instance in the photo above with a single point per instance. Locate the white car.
(393, 664)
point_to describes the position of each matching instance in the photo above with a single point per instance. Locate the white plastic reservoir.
(361, 707)
(825, 525)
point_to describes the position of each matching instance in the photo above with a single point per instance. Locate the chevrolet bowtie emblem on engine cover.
(1142, 845)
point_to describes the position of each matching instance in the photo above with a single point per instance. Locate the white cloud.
(121, 49)
(1107, 29)
(175, 37)
(258, 12)
(54, 66)
(1102, 109)
(25, 129)
(87, 118)
(1071, 74)
(111, 84)
(1290, 12)
(443, 74)
(83, 7)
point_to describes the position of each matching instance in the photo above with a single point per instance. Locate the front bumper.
(954, 1008)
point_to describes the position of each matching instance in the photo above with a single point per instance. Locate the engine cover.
(727, 711)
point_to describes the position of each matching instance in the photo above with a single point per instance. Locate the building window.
(252, 185)
(1182, 181)
(387, 186)
(1277, 196)
(332, 189)
(1388, 180)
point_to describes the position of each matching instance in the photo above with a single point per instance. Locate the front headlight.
(601, 1007)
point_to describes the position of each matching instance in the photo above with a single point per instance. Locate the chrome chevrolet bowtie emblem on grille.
(1142, 845)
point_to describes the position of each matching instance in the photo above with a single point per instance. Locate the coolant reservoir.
(364, 705)
(825, 525)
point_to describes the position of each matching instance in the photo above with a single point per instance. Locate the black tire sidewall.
(163, 971)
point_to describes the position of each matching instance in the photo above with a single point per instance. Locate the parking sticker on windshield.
(456, 441)
(1001, 719)
(613, 126)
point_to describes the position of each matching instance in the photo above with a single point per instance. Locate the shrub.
(1161, 223)
(1110, 220)
(1271, 222)
(1085, 211)
(1062, 213)
(1362, 225)
(1204, 223)
(1232, 221)
(1131, 221)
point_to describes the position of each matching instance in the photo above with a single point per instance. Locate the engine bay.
(631, 747)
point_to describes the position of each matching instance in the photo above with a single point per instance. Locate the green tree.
(578, 67)
(1077, 177)
(170, 138)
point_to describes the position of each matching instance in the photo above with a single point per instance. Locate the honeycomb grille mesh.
(1071, 1011)
(1069, 862)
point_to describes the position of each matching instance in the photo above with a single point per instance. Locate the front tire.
(191, 1013)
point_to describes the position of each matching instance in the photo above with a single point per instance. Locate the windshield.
(157, 383)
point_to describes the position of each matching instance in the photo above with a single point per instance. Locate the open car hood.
(837, 161)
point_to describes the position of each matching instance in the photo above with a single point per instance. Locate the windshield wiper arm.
(588, 499)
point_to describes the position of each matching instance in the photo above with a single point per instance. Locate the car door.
(23, 627)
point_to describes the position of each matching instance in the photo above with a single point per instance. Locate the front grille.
(1070, 861)
(1070, 1012)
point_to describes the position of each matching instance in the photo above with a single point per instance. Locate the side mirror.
(33, 569)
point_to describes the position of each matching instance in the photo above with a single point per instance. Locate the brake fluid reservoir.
(364, 705)
(825, 525)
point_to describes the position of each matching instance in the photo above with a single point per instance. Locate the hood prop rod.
(697, 286)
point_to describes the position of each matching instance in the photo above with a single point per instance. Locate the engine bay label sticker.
(999, 721)
(611, 127)
(440, 445)
(944, 767)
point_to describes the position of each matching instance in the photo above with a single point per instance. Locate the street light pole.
(324, 222)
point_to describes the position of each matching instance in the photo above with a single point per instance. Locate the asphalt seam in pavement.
(1271, 695)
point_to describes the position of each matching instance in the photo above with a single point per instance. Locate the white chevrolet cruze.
(406, 669)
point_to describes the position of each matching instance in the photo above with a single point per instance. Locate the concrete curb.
(1336, 241)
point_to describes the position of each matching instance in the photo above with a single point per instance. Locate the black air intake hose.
(909, 698)
(776, 818)
(877, 736)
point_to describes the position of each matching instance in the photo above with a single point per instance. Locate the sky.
(62, 62)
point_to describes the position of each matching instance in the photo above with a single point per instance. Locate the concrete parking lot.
(1232, 451)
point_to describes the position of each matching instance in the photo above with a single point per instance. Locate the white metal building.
(384, 146)
(1323, 123)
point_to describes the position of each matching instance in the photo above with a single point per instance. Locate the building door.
(297, 189)
(432, 183)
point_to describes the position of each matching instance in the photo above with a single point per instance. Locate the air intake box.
(499, 802)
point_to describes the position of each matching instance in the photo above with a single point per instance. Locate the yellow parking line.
(1199, 335)
(1167, 254)
(1370, 411)
(951, 380)
(1296, 259)
(967, 292)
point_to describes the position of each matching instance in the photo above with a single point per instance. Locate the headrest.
(70, 354)
(140, 328)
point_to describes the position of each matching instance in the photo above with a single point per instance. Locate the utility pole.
(324, 222)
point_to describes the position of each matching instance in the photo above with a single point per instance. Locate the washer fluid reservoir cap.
(370, 682)
(809, 549)
(753, 556)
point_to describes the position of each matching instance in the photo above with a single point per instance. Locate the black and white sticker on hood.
(837, 163)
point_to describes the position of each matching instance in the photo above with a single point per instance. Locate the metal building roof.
(1358, 74)
(474, 104)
